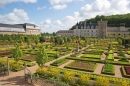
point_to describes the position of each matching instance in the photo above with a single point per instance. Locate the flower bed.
(108, 69)
(92, 56)
(110, 57)
(5, 54)
(59, 62)
(82, 65)
(28, 58)
(128, 52)
(111, 52)
(125, 71)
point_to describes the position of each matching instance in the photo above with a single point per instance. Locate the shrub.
(16, 67)
(68, 76)
(84, 79)
(102, 81)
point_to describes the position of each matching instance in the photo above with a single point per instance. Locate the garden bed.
(108, 69)
(91, 56)
(82, 65)
(59, 62)
(126, 71)
(110, 57)
(28, 58)
(4, 54)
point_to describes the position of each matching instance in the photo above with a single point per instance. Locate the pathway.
(16, 78)
(117, 71)
(98, 68)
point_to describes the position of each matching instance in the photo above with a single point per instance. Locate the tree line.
(113, 20)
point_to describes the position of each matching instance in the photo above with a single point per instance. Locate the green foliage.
(41, 57)
(108, 68)
(17, 53)
(59, 61)
(119, 41)
(36, 40)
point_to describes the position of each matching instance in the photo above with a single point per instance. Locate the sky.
(54, 15)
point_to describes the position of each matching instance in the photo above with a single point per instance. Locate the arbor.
(41, 57)
(17, 53)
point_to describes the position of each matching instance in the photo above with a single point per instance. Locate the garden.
(78, 68)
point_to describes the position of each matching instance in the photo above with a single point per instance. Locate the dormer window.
(34, 26)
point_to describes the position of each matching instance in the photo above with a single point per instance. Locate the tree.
(36, 40)
(17, 53)
(27, 40)
(119, 41)
(41, 57)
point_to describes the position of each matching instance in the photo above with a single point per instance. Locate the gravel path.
(117, 71)
(16, 78)
(98, 68)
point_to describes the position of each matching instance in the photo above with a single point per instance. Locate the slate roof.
(90, 25)
(11, 26)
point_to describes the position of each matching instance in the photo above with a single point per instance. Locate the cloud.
(60, 4)
(59, 7)
(53, 2)
(41, 8)
(4, 2)
(15, 17)
(98, 7)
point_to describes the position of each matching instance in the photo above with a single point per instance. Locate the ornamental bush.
(68, 76)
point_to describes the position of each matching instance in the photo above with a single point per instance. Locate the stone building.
(26, 29)
(99, 29)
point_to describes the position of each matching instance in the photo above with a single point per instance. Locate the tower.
(102, 29)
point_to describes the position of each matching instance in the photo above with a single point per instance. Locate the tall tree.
(41, 57)
(17, 53)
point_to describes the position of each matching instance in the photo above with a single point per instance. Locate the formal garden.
(69, 61)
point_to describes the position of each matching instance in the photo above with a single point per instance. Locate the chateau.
(26, 29)
(99, 29)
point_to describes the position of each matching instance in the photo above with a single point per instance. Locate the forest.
(113, 20)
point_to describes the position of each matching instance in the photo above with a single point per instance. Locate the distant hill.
(113, 20)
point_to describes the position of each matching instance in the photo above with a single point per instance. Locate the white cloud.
(3, 2)
(41, 8)
(61, 4)
(59, 7)
(53, 2)
(17, 16)
(98, 7)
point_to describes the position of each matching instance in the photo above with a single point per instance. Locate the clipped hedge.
(100, 61)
